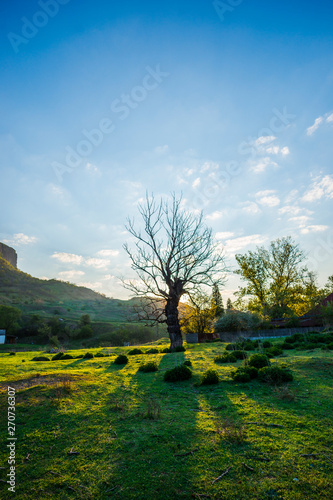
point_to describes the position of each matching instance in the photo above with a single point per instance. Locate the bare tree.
(175, 254)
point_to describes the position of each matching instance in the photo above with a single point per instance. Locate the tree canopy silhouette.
(175, 254)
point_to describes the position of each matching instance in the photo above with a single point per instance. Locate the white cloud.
(108, 253)
(224, 235)
(196, 182)
(301, 220)
(97, 263)
(327, 118)
(20, 239)
(273, 150)
(68, 258)
(313, 228)
(315, 126)
(267, 198)
(320, 188)
(70, 275)
(209, 165)
(285, 151)
(262, 164)
(97, 285)
(264, 139)
(215, 215)
(250, 208)
(234, 245)
(93, 170)
(162, 149)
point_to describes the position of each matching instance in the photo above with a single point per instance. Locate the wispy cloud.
(161, 150)
(234, 245)
(261, 165)
(108, 253)
(327, 118)
(215, 215)
(267, 198)
(68, 258)
(70, 275)
(313, 229)
(321, 188)
(224, 235)
(20, 239)
(97, 263)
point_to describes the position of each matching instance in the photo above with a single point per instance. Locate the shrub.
(231, 347)
(225, 358)
(88, 355)
(239, 354)
(288, 346)
(266, 344)
(275, 375)
(40, 358)
(67, 356)
(135, 351)
(153, 350)
(244, 374)
(80, 356)
(273, 351)
(57, 356)
(12, 354)
(210, 377)
(151, 366)
(99, 355)
(330, 346)
(121, 360)
(240, 375)
(179, 348)
(178, 373)
(187, 362)
(166, 350)
(258, 360)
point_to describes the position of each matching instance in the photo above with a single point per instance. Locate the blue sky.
(230, 103)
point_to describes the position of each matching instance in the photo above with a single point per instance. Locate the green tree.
(10, 319)
(200, 316)
(274, 278)
(217, 302)
(229, 304)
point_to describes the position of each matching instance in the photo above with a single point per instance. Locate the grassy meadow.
(91, 429)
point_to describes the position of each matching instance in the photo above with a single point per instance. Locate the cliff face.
(8, 254)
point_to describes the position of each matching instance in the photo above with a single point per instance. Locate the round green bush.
(135, 351)
(330, 346)
(153, 350)
(258, 360)
(273, 351)
(187, 362)
(121, 360)
(266, 344)
(40, 358)
(80, 356)
(151, 366)
(88, 355)
(225, 358)
(67, 356)
(231, 347)
(166, 350)
(177, 374)
(99, 355)
(275, 375)
(240, 375)
(210, 377)
(12, 353)
(57, 356)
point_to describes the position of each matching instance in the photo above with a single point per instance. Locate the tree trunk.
(171, 312)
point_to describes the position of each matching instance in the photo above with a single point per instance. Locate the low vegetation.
(152, 439)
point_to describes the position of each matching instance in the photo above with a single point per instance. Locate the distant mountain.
(49, 297)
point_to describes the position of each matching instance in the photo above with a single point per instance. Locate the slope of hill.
(49, 297)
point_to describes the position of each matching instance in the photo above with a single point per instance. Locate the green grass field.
(90, 429)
